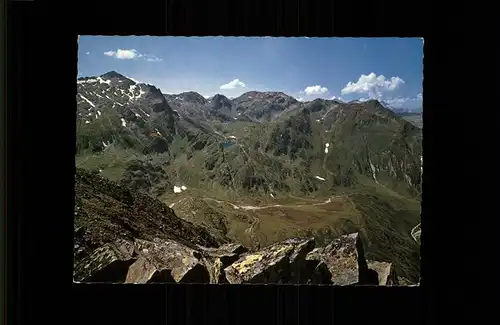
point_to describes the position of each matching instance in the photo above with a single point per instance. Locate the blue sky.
(388, 69)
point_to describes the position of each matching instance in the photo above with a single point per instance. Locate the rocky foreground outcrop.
(345, 260)
(284, 262)
(126, 237)
(293, 261)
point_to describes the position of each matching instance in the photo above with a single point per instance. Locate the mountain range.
(258, 169)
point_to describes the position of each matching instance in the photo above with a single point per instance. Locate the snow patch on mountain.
(88, 101)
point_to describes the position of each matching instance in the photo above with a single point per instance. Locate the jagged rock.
(108, 263)
(283, 262)
(140, 271)
(345, 260)
(385, 271)
(166, 260)
(217, 259)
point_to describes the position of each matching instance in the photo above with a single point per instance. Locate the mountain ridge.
(157, 119)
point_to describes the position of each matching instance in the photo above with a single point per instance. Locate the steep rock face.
(223, 105)
(352, 143)
(193, 106)
(105, 212)
(379, 144)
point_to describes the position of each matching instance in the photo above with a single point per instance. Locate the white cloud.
(312, 92)
(373, 85)
(236, 83)
(88, 53)
(127, 54)
(405, 102)
(315, 90)
(131, 55)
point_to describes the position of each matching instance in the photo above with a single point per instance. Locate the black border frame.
(39, 188)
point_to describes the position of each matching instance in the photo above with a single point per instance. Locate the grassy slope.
(112, 161)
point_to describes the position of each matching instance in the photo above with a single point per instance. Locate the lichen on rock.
(217, 259)
(183, 263)
(278, 263)
(344, 258)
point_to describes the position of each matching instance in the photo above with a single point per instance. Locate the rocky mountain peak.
(113, 109)
(378, 107)
(263, 106)
(113, 74)
(264, 95)
(193, 97)
(220, 101)
(153, 91)
(117, 79)
(220, 97)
